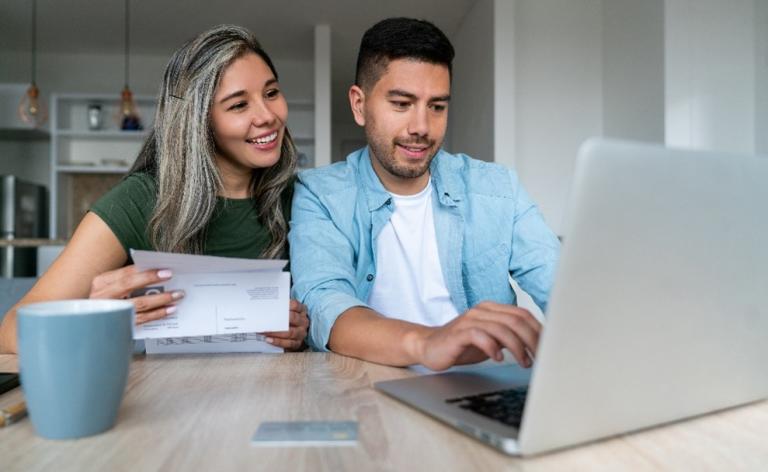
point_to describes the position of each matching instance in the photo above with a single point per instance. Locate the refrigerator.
(23, 215)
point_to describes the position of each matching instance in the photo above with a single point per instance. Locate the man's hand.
(478, 334)
(122, 282)
(293, 339)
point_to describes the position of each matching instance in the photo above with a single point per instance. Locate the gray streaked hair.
(180, 149)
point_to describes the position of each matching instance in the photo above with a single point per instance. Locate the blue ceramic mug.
(73, 360)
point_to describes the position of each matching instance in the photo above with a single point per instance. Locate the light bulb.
(129, 113)
(31, 109)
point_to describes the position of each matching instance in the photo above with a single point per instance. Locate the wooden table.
(199, 412)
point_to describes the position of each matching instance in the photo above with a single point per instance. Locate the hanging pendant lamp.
(32, 110)
(129, 113)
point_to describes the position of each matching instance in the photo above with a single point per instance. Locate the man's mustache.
(415, 142)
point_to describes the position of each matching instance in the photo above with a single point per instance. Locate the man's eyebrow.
(400, 93)
(410, 96)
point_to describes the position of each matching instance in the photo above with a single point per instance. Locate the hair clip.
(176, 97)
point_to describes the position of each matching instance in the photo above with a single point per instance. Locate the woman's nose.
(262, 115)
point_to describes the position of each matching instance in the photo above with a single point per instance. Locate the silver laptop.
(659, 309)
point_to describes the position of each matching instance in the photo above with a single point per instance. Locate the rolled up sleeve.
(535, 248)
(322, 264)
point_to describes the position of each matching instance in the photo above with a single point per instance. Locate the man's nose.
(419, 122)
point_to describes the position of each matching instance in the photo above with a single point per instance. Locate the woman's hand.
(293, 339)
(121, 283)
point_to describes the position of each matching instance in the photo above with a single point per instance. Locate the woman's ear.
(357, 103)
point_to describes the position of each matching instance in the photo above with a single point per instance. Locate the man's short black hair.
(400, 38)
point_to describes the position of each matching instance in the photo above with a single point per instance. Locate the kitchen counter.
(32, 242)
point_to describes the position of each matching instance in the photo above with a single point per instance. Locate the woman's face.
(248, 115)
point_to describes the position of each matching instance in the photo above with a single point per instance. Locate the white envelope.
(223, 295)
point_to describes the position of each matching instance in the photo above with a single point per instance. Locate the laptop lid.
(659, 310)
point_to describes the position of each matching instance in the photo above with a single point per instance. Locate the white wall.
(710, 74)
(558, 71)
(691, 72)
(103, 73)
(761, 76)
(505, 111)
(471, 115)
(98, 73)
(633, 69)
(322, 87)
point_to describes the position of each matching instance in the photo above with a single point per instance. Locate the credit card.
(305, 433)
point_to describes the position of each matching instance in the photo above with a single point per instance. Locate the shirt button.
(369, 278)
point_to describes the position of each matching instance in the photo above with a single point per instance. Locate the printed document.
(223, 297)
(242, 342)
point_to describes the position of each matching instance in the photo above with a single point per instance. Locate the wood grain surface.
(199, 412)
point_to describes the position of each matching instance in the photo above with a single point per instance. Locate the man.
(402, 253)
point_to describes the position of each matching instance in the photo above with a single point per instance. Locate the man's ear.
(357, 103)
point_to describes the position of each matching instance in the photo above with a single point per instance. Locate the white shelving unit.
(78, 150)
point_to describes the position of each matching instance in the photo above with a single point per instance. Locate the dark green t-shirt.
(234, 229)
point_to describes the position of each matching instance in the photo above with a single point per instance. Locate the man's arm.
(322, 263)
(480, 333)
(323, 268)
(535, 248)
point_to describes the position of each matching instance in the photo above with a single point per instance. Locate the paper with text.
(222, 295)
(243, 342)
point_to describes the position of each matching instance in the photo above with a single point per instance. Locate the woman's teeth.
(264, 139)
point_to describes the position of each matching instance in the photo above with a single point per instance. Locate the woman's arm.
(93, 250)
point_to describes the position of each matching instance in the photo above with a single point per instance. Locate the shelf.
(68, 169)
(24, 134)
(101, 97)
(102, 134)
(31, 242)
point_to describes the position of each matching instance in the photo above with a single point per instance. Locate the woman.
(213, 177)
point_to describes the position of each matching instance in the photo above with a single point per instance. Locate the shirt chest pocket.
(486, 276)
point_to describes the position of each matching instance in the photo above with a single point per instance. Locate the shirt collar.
(375, 193)
(443, 171)
(446, 177)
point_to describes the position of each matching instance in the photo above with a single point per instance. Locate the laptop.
(658, 313)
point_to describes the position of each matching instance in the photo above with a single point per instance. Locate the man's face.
(405, 115)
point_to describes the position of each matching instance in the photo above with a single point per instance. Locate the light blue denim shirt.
(486, 226)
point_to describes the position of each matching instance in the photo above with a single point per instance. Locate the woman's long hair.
(180, 149)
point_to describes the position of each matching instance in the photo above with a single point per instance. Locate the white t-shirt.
(409, 282)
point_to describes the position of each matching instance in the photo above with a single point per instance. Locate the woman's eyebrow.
(232, 95)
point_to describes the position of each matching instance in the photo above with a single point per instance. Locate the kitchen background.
(532, 80)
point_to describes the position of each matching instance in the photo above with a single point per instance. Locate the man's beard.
(384, 153)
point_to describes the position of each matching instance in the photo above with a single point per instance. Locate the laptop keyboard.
(505, 406)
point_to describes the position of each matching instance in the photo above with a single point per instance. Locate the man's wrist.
(414, 343)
